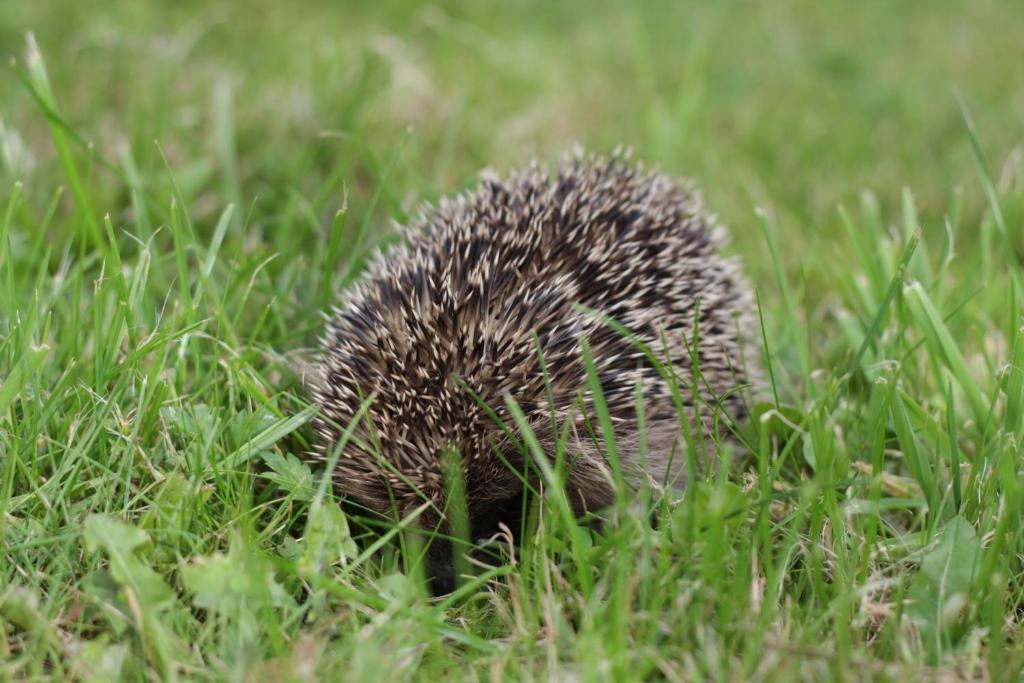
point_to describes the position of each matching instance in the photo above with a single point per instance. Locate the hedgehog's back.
(443, 328)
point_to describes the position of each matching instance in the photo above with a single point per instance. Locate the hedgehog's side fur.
(488, 276)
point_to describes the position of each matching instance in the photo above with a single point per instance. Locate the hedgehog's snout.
(487, 519)
(440, 567)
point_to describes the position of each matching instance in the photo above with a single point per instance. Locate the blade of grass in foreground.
(40, 81)
(555, 496)
(457, 512)
(6, 257)
(911, 450)
(603, 416)
(890, 294)
(1014, 380)
(793, 326)
(266, 438)
(979, 159)
(14, 382)
(929, 321)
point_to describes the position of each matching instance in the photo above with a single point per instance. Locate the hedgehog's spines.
(479, 274)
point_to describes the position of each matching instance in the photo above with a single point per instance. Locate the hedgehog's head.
(396, 413)
(400, 444)
(394, 401)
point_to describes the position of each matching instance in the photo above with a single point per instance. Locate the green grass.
(184, 188)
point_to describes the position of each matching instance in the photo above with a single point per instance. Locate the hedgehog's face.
(394, 459)
(488, 520)
(394, 464)
(401, 422)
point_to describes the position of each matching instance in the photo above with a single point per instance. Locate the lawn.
(186, 186)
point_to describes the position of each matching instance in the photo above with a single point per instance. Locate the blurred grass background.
(794, 106)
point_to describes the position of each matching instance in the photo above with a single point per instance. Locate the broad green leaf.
(942, 586)
(238, 586)
(142, 596)
(217, 580)
(119, 542)
(98, 661)
(268, 437)
(20, 606)
(327, 540)
(290, 474)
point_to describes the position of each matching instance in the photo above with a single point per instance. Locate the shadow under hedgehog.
(451, 321)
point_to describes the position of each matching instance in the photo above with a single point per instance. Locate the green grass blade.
(932, 326)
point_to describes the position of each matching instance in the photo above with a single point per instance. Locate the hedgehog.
(488, 300)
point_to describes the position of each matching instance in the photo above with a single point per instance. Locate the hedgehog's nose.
(440, 567)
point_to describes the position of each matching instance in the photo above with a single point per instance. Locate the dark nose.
(440, 567)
